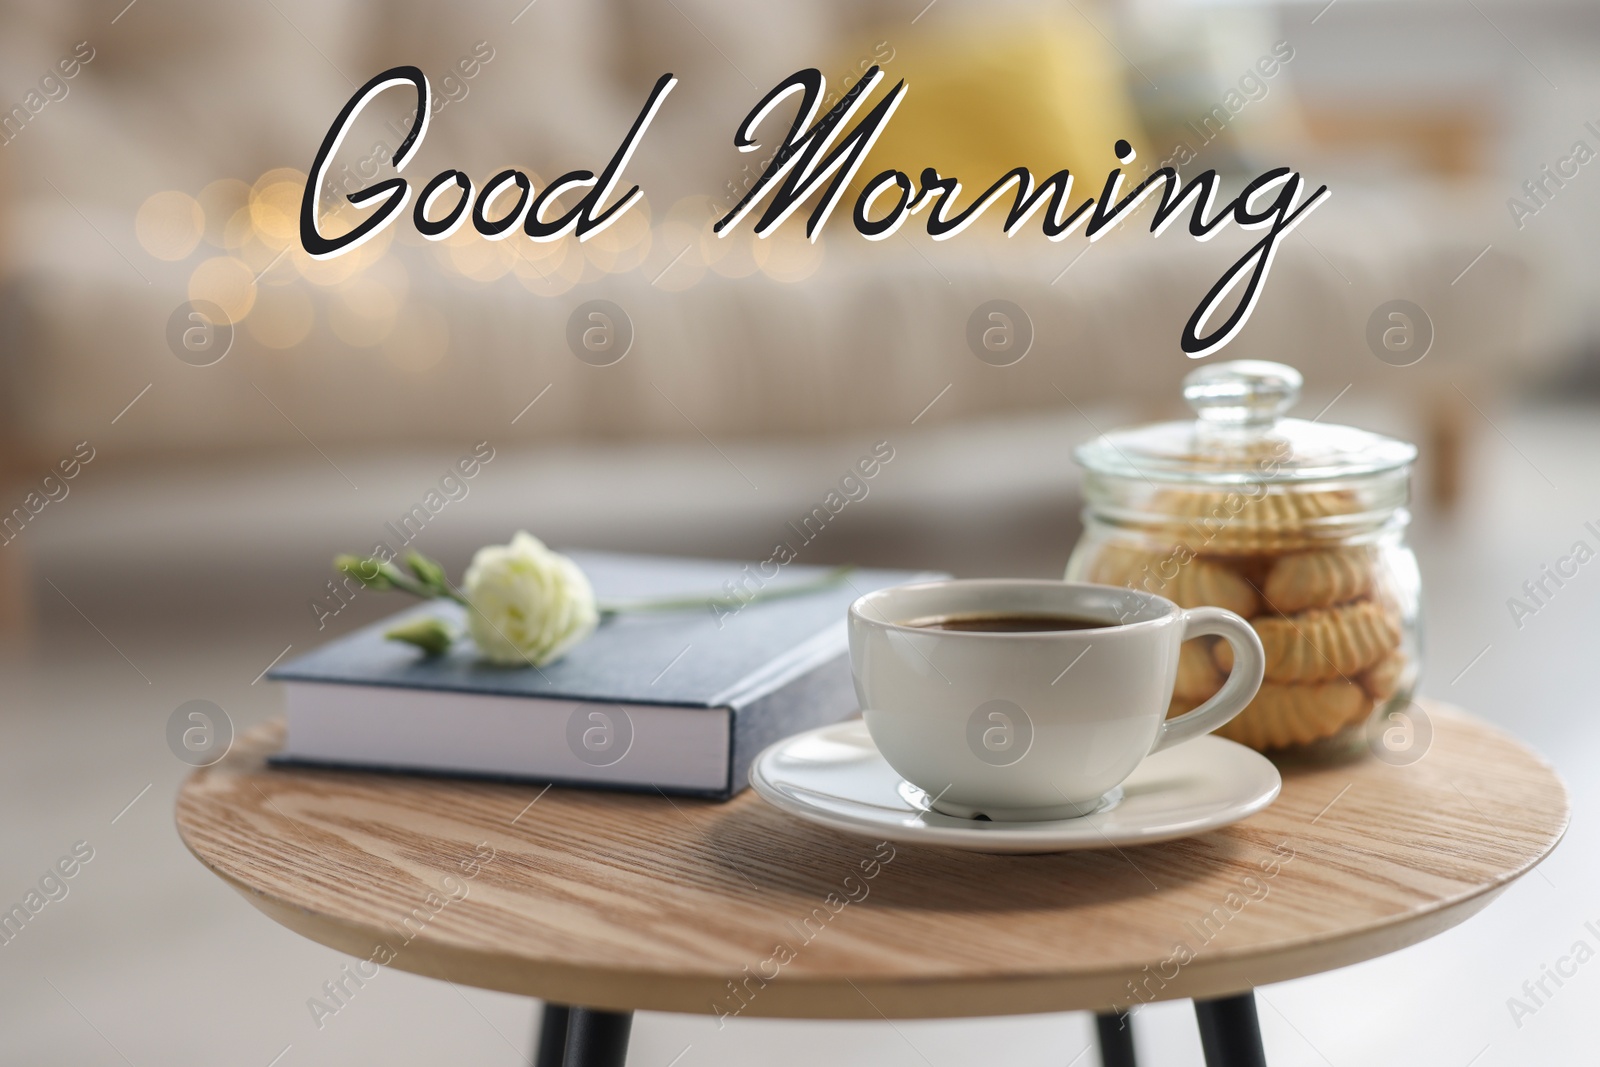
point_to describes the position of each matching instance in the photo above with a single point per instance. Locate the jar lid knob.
(1243, 392)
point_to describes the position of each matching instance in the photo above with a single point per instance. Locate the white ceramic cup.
(1035, 725)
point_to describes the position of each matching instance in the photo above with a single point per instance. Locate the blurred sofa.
(731, 340)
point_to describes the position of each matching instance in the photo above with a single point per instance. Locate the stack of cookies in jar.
(1325, 608)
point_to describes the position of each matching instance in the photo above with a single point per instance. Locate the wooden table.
(615, 902)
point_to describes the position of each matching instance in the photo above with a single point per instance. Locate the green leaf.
(431, 635)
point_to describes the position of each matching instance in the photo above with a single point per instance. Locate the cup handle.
(1249, 666)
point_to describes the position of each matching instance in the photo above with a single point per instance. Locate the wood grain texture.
(640, 902)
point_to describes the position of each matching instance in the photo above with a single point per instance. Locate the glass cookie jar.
(1296, 525)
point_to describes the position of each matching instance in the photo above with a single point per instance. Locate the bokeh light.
(239, 228)
(676, 260)
(228, 283)
(548, 268)
(220, 200)
(264, 261)
(275, 211)
(732, 253)
(362, 311)
(786, 255)
(366, 291)
(341, 268)
(468, 254)
(281, 318)
(624, 244)
(170, 224)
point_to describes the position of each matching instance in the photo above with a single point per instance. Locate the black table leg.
(552, 1042)
(1230, 1033)
(597, 1038)
(1115, 1030)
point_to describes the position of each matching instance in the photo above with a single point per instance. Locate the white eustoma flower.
(527, 603)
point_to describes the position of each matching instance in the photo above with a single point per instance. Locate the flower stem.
(428, 582)
(682, 603)
(417, 589)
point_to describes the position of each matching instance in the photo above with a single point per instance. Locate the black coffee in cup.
(1008, 623)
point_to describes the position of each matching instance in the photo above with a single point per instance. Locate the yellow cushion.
(1039, 89)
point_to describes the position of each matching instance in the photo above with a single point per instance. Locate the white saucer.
(834, 776)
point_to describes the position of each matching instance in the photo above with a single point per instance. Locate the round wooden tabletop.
(629, 901)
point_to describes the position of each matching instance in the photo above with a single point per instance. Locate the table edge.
(867, 998)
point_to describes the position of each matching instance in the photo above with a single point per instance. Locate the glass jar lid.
(1242, 437)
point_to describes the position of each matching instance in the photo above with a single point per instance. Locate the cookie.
(1121, 565)
(1318, 579)
(1198, 676)
(1194, 584)
(1383, 678)
(1251, 518)
(1202, 584)
(1255, 505)
(1253, 568)
(1323, 643)
(1284, 715)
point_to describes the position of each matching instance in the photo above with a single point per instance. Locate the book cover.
(678, 700)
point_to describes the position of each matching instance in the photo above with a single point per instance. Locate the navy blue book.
(678, 701)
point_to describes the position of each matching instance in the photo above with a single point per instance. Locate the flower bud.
(431, 635)
(369, 572)
(428, 572)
